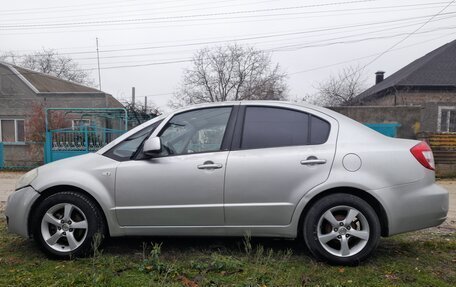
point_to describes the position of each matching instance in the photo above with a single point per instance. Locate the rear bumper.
(414, 206)
(18, 209)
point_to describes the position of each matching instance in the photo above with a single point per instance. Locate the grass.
(426, 258)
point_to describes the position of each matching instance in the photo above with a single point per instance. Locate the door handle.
(312, 160)
(210, 165)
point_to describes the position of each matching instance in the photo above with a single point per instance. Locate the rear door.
(278, 154)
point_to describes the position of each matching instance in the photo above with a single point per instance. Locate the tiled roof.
(49, 84)
(436, 68)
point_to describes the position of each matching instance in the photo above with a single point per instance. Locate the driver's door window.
(195, 131)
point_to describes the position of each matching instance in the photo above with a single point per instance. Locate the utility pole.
(145, 104)
(133, 97)
(99, 73)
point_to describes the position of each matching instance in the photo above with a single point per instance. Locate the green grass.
(416, 259)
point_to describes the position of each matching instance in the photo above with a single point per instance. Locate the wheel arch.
(60, 188)
(370, 199)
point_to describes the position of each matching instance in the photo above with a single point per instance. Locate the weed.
(153, 262)
(247, 243)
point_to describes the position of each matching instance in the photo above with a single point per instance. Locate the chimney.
(379, 76)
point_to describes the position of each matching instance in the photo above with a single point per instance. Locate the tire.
(66, 224)
(347, 237)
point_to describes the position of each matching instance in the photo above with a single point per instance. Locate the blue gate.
(81, 139)
(67, 142)
(1, 156)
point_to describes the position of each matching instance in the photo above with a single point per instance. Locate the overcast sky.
(146, 44)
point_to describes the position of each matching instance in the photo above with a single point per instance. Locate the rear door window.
(266, 127)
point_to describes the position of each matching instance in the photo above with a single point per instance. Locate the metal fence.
(68, 142)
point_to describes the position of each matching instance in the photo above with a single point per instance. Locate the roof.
(43, 83)
(436, 69)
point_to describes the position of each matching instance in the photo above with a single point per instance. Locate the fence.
(68, 142)
(444, 149)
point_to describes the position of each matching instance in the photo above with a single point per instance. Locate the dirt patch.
(7, 185)
(450, 185)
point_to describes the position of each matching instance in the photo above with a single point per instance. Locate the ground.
(423, 258)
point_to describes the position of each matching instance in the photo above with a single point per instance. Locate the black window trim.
(239, 129)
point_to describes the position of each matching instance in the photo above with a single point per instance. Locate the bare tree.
(138, 113)
(339, 90)
(230, 73)
(48, 61)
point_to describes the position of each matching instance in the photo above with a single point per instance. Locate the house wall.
(428, 100)
(405, 98)
(409, 117)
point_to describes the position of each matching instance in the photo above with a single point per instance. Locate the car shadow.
(224, 245)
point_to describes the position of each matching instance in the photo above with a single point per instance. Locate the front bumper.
(414, 206)
(18, 209)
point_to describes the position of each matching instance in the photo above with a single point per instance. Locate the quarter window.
(266, 127)
(126, 149)
(195, 131)
(319, 130)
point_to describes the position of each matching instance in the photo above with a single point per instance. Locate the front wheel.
(66, 223)
(341, 229)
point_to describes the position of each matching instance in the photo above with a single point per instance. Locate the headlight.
(27, 178)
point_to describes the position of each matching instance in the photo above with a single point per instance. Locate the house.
(419, 100)
(428, 82)
(20, 91)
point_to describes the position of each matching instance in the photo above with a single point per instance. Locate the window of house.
(447, 119)
(12, 130)
(77, 124)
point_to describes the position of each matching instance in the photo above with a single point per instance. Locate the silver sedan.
(261, 168)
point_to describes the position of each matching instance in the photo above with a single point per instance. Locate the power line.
(129, 21)
(321, 43)
(353, 9)
(173, 61)
(178, 25)
(124, 14)
(410, 34)
(256, 36)
(365, 57)
(369, 8)
(302, 46)
(160, 10)
(75, 7)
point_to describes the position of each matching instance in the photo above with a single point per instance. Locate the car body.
(265, 168)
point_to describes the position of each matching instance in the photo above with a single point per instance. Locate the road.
(8, 181)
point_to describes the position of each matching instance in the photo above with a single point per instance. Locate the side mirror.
(152, 146)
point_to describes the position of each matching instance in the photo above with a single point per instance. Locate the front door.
(183, 185)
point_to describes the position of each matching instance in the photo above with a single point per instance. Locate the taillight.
(423, 154)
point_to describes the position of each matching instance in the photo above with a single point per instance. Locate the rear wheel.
(66, 224)
(341, 229)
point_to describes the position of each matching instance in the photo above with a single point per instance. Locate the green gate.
(89, 134)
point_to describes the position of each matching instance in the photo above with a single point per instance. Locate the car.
(262, 168)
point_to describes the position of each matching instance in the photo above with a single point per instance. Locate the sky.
(148, 44)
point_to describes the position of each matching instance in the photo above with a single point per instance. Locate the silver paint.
(260, 191)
